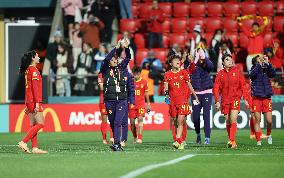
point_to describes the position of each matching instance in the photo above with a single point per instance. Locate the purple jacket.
(260, 80)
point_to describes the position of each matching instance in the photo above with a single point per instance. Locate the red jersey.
(178, 87)
(101, 81)
(141, 87)
(33, 85)
(230, 85)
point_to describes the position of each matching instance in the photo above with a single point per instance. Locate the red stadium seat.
(231, 9)
(161, 53)
(279, 23)
(208, 37)
(248, 23)
(230, 25)
(167, 8)
(135, 10)
(243, 40)
(166, 40)
(215, 9)
(181, 9)
(139, 40)
(212, 24)
(279, 7)
(198, 9)
(128, 25)
(249, 8)
(166, 26)
(147, 0)
(144, 10)
(233, 36)
(188, 37)
(268, 39)
(178, 39)
(179, 25)
(140, 55)
(266, 8)
(194, 21)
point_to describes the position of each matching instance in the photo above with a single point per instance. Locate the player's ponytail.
(26, 61)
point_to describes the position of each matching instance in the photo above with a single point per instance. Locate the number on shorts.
(185, 107)
(141, 111)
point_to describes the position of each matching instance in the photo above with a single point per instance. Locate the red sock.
(140, 136)
(228, 126)
(268, 131)
(251, 125)
(233, 131)
(104, 130)
(257, 136)
(174, 134)
(184, 132)
(32, 132)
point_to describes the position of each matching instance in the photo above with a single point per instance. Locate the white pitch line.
(142, 170)
(8, 145)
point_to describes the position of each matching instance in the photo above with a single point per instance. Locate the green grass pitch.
(84, 155)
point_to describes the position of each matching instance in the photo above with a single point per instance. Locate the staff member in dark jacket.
(116, 90)
(261, 89)
(202, 84)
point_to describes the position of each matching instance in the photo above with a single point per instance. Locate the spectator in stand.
(52, 48)
(175, 50)
(155, 67)
(69, 7)
(156, 18)
(77, 43)
(64, 63)
(275, 56)
(125, 9)
(196, 38)
(91, 31)
(145, 74)
(255, 35)
(108, 12)
(100, 56)
(84, 67)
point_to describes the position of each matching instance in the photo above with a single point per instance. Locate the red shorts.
(179, 109)
(261, 104)
(31, 108)
(135, 113)
(226, 108)
(103, 109)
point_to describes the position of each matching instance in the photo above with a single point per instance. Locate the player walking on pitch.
(138, 112)
(261, 89)
(33, 101)
(176, 84)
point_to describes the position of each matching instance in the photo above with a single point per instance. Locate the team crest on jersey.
(234, 74)
(125, 78)
(110, 111)
(181, 77)
(111, 73)
(34, 73)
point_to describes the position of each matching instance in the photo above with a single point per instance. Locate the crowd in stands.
(157, 30)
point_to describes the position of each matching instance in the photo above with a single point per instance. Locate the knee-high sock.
(104, 130)
(34, 141)
(233, 131)
(32, 132)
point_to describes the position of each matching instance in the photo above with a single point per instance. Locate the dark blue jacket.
(260, 80)
(200, 78)
(105, 69)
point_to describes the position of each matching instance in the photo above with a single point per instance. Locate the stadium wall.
(86, 117)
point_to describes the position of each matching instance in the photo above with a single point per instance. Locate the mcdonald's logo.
(54, 116)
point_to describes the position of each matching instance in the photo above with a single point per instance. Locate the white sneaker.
(258, 143)
(269, 139)
(38, 151)
(22, 145)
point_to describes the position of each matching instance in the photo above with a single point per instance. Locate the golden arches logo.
(54, 116)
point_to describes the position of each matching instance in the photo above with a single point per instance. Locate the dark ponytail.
(26, 61)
